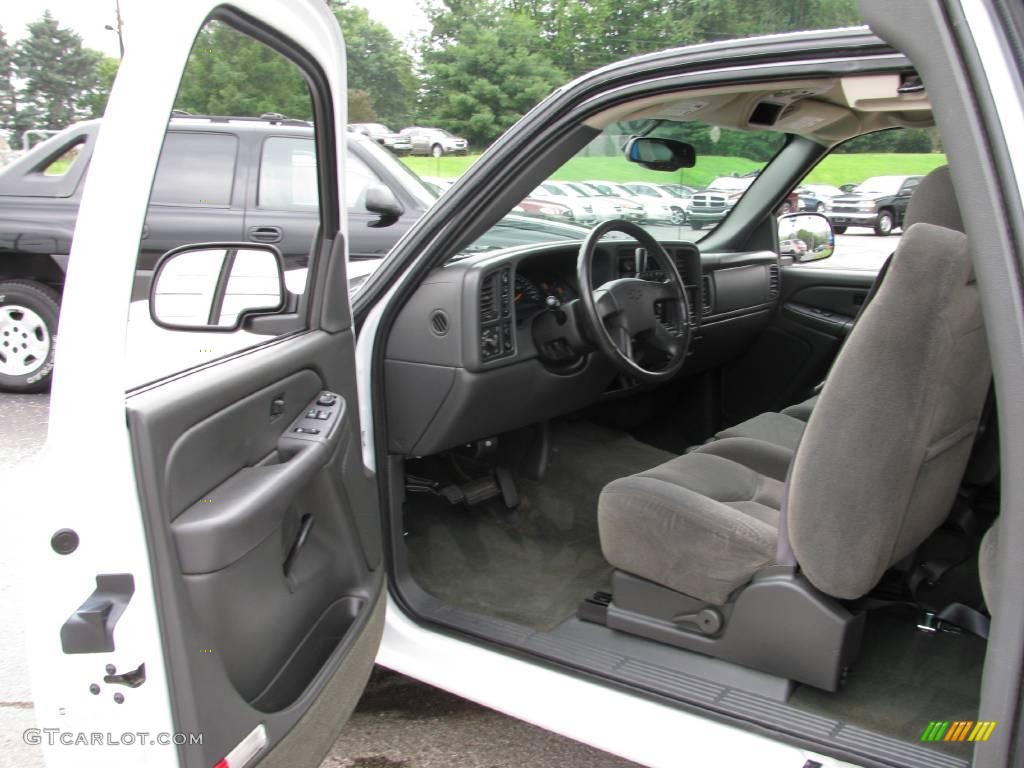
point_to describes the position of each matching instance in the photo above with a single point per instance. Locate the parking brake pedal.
(499, 483)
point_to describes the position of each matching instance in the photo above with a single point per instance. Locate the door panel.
(794, 354)
(269, 576)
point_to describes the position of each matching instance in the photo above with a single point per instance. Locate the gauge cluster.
(533, 293)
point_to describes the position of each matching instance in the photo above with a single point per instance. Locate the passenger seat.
(934, 202)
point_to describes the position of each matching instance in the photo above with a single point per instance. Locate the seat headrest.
(934, 202)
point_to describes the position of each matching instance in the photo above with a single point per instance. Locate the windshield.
(880, 185)
(598, 183)
(730, 184)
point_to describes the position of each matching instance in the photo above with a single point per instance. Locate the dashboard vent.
(707, 304)
(683, 266)
(773, 282)
(488, 300)
(439, 322)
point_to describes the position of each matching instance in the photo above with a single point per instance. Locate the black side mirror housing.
(382, 201)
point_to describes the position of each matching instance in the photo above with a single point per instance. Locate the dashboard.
(464, 362)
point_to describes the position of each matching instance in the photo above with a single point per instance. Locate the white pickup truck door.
(204, 588)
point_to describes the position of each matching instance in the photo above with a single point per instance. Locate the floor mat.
(532, 565)
(905, 679)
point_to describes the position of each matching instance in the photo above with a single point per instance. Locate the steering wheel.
(620, 315)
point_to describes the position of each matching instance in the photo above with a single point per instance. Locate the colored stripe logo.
(958, 730)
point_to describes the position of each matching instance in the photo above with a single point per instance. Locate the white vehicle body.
(90, 467)
(582, 207)
(657, 202)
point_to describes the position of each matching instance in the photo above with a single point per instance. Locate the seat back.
(881, 459)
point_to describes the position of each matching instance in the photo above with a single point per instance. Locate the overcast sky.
(88, 18)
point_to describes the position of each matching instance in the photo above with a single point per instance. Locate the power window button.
(307, 430)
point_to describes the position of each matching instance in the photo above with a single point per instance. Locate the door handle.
(300, 541)
(90, 629)
(266, 234)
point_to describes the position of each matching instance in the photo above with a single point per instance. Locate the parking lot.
(400, 722)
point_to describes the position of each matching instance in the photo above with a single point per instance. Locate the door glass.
(864, 187)
(288, 174)
(224, 113)
(358, 177)
(196, 168)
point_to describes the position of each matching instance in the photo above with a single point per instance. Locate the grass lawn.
(834, 169)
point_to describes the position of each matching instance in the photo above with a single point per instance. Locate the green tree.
(8, 91)
(96, 100)
(484, 70)
(377, 64)
(360, 107)
(57, 73)
(229, 73)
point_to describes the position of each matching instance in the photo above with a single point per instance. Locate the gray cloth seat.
(783, 429)
(876, 469)
(934, 203)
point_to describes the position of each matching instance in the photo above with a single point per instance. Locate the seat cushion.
(782, 429)
(701, 524)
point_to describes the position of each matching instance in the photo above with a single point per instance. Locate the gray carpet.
(903, 680)
(532, 565)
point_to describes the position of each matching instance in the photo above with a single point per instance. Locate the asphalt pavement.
(400, 722)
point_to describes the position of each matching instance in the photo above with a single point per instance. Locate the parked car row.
(417, 140)
(589, 202)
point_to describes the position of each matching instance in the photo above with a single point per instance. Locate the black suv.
(220, 179)
(879, 202)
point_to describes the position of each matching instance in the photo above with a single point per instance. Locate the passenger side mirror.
(214, 287)
(382, 201)
(806, 236)
(660, 154)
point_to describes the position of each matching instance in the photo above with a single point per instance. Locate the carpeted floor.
(534, 564)
(904, 679)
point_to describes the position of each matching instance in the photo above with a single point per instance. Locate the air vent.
(488, 300)
(683, 266)
(773, 282)
(707, 304)
(439, 322)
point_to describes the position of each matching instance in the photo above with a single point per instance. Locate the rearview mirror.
(806, 236)
(660, 154)
(214, 287)
(382, 201)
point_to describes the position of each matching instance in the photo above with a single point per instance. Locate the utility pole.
(120, 27)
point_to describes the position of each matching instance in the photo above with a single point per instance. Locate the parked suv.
(205, 190)
(879, 202)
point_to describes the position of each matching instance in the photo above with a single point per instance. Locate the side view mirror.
(215, 286)
(806, 236)
(660, 154)
(382, 201)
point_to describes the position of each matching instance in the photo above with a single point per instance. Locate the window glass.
(598, 183)
(358, 176)
(218, 262)
(865, 186)
(196, 169)
(63, 164)
(288, 174)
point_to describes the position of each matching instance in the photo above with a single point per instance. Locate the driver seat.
(876, 472)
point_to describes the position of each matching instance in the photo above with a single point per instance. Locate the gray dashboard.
(462, 364)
